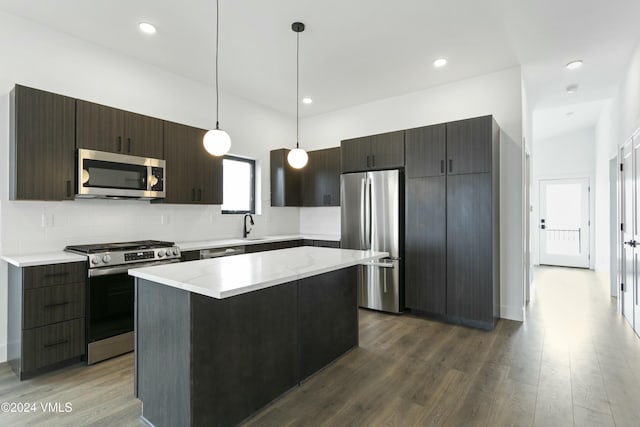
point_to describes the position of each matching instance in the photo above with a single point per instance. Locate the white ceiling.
(554, 121)
(358, 51)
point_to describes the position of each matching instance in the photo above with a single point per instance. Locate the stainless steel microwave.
(111, 175)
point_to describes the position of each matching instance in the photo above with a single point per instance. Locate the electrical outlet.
(165, 219)
(46, 220)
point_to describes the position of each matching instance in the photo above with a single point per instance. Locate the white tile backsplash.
(95, 221)
(324, 220)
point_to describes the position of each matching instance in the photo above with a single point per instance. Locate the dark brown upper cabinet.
(469, 145)
(321, 178)
(103, 128)
(375, 152)
(317, 184)
(286, 182)
(426, 150)
(194, 176)
(42, 145)
(356, 154)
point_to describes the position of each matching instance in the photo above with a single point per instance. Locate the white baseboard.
(512, 313)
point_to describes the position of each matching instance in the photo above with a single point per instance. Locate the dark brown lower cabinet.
(322, 243)
(328, 318)
(426, 245)
(470, 284)
(215, 362)
(272, 246)
(46, 324)
(452, 250)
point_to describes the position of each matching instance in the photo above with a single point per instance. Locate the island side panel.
(328, 318)
(162, 367)
(244, 353)
(14, 321)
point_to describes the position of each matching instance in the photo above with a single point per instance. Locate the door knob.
(631, 243)
(543, 226)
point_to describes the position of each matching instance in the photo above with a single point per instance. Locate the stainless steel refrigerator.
(372, 219)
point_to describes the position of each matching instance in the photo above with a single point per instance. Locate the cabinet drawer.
(52, 304)
(54, 274)
(51, 344)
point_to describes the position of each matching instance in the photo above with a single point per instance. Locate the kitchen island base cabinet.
(328, 318)
(206, 361)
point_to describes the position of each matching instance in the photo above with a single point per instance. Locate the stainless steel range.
(110, 291)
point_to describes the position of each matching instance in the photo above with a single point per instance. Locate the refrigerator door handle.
(384, 283)
(369, 213)
(363, 212)
(380, 264)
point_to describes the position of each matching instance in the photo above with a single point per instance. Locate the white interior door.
(636, 233)
(564, 222)
(628, 222)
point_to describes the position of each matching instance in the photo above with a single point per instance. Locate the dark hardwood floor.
(573, 362)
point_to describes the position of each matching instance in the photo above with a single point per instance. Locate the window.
(239, 185)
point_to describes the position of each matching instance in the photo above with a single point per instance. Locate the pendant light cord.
(217, 33)
(297, 90)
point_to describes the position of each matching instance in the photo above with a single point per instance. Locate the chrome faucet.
(246, 232)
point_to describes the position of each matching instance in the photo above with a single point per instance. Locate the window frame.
(252, 202)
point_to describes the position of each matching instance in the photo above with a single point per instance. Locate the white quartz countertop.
(43, 259)
(236, 275)
(212, 244)
(61, 257)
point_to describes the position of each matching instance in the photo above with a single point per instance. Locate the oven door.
(110, 306)
(109, 316)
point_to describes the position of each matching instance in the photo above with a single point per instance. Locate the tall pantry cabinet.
(452, 221)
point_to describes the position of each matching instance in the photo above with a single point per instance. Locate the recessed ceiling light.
(147, 28)
(440, 62)
(570, 113)
(307, 100)
(572, 88)
(574, 65)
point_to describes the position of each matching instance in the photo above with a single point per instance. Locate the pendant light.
(297, 157)
(216, 141)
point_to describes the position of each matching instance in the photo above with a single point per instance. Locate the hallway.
(588, 355)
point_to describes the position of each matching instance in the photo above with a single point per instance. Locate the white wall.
(570, 155)
(626, 114)
(498, 94)
(36, 56)
(527, 159)
(629, 99)
(605, 149)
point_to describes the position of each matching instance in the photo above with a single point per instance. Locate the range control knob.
(106, 258)
(176, 251)
(95, 260)
(161, 253)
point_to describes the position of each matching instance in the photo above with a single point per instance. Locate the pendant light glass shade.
(217, 142)
(297, 158)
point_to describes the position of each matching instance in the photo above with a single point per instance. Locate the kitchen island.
(218, 339)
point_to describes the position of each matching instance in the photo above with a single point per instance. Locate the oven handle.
(105, 271)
